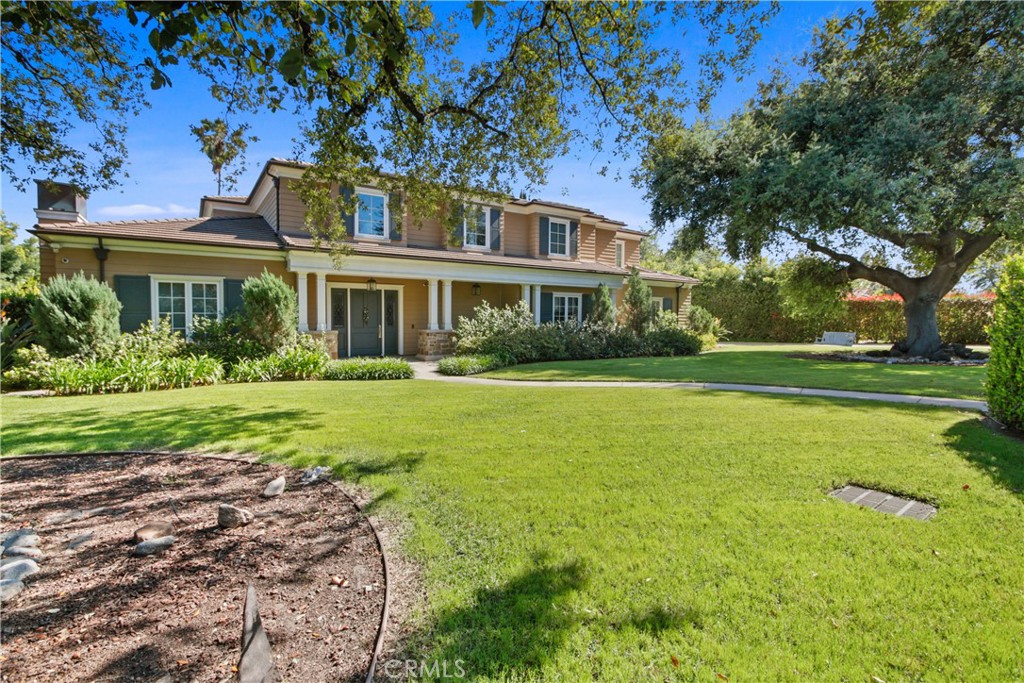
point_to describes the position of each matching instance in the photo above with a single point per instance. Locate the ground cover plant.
(769, 364)
(702, 532)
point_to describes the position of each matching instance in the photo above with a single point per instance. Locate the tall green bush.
(270, 311)
(77, 316)
(602, 312)
(1005, 386)
(639, 310)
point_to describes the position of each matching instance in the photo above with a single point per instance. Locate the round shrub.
(1005, 386)
(77, 316)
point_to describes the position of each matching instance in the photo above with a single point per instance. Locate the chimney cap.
(59, 203)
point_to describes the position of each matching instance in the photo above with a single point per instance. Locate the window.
(181, 301)
(372, 215)
(620, 254)
(558, 238)
(476, 225)
(568, 307)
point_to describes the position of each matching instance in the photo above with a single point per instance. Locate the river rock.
(23, 551)
(24, 537)
(274, 488)
(230, 517)
(151, 530)
(18, 568)
(9, 588)
(315, 474)
(155, 545)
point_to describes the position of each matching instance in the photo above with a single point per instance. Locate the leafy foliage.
(270, 314)
(1005, 386)
(460, 366)
(906, 142)
(369, 369)
(224, 339)
(222, 145)
(19, 263)
(77, 316)
(810, 289)
(702, 322)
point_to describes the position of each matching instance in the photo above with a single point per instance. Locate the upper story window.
(558, 238)
(372, 214)
(179, 301)
(476, 227)
(620, 254)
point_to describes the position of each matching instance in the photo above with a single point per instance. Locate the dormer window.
(372, 214)
(558, 238)
(476, 227)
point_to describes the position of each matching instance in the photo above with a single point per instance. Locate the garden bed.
(96, 612)
(853, 357)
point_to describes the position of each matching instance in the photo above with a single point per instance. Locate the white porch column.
(536, 304)
(302, 285)
(432, 305)
(321, 302)
(447, 304)
(526, 294)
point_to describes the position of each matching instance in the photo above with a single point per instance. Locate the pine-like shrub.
(270, 312)
(602, 312)
(77, 316)
(1005, 385)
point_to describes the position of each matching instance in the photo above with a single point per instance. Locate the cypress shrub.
(1005, 386)
(77, 316)
(270, 312)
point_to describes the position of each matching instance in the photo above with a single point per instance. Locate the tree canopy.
(899, 160)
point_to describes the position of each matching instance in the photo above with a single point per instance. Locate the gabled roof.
(251, 232)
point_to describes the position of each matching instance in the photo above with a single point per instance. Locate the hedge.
(1005, 386)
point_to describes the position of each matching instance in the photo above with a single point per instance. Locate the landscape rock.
(230, 517)
(152, 546)
(9, 588)
(274, 488)
(315, 474)
(256, 664)
(151, 530)
(24, 537)
(23, 551)
(18, 568)
(6, 516)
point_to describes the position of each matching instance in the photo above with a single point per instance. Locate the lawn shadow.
(1000, 456)
(513, 628)
(660, 619)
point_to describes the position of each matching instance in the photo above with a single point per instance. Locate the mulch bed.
(854, 357)
(96, 613)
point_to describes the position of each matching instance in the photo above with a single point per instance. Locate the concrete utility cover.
(885, 502)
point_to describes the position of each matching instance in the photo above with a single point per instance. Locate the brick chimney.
(59, 203)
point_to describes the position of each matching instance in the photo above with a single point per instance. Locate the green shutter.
(547, 307)
(573, 237)
(588, 304)
(133, 292)
(543, 235)
(495, 229)
(666, 303)
(233, 296)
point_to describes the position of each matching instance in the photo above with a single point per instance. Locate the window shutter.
(547, 307)
(133, 292)
(349, 219)
(395, 216)
(495, 229)
(233, 296)
(588, 304)
(543, 235)
(574, 232)
(460, 226)
(666, 303)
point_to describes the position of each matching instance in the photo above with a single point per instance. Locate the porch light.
(476, 290)
(371, 285)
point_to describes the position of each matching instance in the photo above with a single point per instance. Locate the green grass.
(596, 533)
(766, 364)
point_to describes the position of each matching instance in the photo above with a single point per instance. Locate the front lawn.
(767, 364)
(637, 534)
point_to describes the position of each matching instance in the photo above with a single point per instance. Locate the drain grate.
(885, 502)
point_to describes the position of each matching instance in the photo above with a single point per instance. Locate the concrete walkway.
(428, 371)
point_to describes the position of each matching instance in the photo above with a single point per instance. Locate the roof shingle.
(250, 232)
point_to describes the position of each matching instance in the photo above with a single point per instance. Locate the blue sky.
(168, 173)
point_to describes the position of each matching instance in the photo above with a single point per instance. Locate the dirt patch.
(96, 613)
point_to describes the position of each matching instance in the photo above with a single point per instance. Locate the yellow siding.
(268, 208)
(429, 233)
(588, 243)
(516, 235)
(293, 211)
(604, 246)
(632, 253)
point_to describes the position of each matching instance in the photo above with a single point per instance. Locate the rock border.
(378, 646)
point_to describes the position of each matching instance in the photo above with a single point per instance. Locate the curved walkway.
(428, 371)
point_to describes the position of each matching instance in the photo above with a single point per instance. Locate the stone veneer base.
(434, 344)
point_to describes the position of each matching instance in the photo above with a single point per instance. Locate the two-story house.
(398, 291)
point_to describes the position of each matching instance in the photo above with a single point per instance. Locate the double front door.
(367, 322)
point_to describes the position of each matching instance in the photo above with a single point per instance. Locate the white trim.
(566, 223)
(145, 246)
(446, 288)
(567, 296)
(432, 305)
(372, 192)
(349, 286)
(620, 250)
(154, 295)
(536, 304)
(321, 302)
(302, 287)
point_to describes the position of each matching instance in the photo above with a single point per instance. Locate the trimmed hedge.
(369, 369)
(460, 366)
(1005, 386)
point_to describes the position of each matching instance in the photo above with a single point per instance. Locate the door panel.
(365, 321)
(339, 318)
(391, 323)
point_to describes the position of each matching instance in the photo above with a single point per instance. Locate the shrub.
(307, 359)
(602, 312)
(494, 330)
(224, 339)
(269, 312)
(671, 341)
(77, 316)
(639, 309)
(369, 369)
(703, 323)
(263, 369)
(75, 375)
(159, 341)
(28, 366)
(1005, 386)
(471, 365)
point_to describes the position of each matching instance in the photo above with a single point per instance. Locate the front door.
(365, 322)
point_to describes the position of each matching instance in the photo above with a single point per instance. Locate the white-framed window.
(567, 307)
(558, 238)
(476, 227)
(620, 254)
(372, 214)
(179, 299)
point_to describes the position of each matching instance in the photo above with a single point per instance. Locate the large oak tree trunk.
(922, 325)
